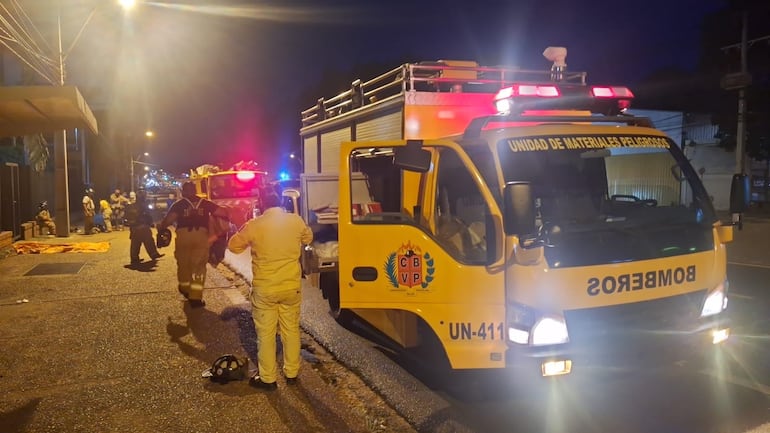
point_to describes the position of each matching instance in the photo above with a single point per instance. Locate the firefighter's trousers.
(191, 253)
(142, 235)
(273, 311)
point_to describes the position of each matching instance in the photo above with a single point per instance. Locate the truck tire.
(329, 283)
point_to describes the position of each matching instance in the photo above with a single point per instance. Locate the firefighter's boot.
(184, 289)
(196, 293)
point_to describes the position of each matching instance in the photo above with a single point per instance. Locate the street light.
(137, 161)
(294, 156)
(149, 134)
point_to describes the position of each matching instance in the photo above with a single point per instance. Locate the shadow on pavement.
(211, 330)
(247, 334)
(148, 266)
(16, 420)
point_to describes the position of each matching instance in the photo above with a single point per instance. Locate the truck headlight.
(549, 330)
(716, 300)
(529, 326)
(520, 319)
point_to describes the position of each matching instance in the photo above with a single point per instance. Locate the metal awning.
(40, 109)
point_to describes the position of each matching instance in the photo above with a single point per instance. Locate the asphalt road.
(732, 395)
(94, 346)
(729, 394)
(108, 348)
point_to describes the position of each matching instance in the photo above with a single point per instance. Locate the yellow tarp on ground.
(75, 247)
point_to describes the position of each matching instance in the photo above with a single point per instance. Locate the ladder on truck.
(438, 76)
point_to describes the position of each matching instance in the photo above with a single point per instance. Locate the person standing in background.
(118, 203)
(170, 200)
(104, 206)
(89, 210)
(276, 239)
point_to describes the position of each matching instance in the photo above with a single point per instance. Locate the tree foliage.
(36, 150)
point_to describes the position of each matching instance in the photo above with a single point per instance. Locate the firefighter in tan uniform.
(191, 215)
(44, 218)
(276, 238)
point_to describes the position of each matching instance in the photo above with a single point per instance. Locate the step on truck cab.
(547, 230)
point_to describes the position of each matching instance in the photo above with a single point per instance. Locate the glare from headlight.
(549, 330)
(715, 303)
(519, 336)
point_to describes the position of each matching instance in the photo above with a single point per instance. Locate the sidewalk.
(108, 348)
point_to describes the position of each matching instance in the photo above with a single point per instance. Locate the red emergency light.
(526, 98)
(245, 176)
(543, 91)
(611, 92)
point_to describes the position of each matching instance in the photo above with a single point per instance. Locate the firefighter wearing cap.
(191, 215)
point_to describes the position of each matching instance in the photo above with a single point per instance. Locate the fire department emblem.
(410, 267)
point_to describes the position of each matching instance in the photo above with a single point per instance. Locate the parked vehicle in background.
(240, 189)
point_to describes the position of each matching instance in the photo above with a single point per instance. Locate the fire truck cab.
(524, 220)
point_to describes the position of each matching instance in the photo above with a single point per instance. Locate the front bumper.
(629, 337)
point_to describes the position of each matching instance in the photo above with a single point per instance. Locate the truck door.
(401, 272)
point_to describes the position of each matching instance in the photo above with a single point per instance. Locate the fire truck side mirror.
(519, 209)
(412, 157)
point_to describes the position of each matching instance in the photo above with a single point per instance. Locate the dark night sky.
(221, 81)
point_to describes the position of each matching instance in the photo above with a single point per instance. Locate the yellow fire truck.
(240, 189)
(515, 219)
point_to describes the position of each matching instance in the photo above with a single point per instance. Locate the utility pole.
(62, 192)
(740, 147)
(740, 81)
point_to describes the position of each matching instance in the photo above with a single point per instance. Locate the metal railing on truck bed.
(440, 76)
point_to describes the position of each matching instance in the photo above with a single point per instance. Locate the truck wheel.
(329, 283)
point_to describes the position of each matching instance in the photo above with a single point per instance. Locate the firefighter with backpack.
(193, 239)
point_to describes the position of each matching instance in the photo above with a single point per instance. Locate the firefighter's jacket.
(276, 239)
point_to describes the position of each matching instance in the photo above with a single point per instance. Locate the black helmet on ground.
(226, 368)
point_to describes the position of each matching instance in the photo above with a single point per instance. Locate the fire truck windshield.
(636, 196)
(234, 185)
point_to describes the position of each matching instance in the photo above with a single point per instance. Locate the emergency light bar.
(521, 97)
(474, 129)
(549, 91)
(245, 176)
(611, 92)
